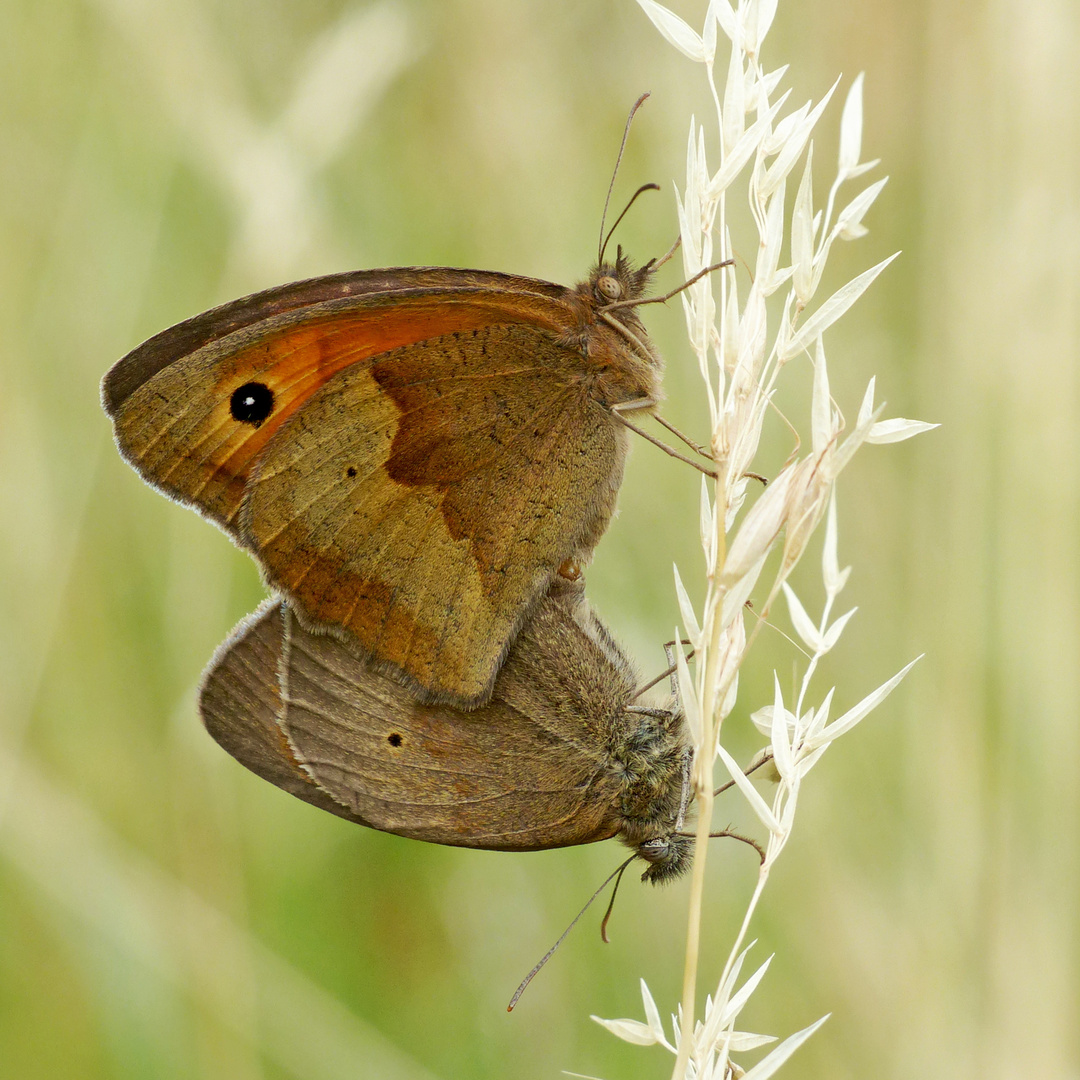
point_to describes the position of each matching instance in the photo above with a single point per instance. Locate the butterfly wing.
(179, 419)
(494, 778)
(443, 426)
(467, 471)
(187, 337)
(240, 705)
(555, 759)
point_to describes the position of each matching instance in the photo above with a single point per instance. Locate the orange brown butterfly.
(411, 454)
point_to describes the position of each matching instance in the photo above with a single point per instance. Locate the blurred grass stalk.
(267, 168)
(175, 939)
(740, 370)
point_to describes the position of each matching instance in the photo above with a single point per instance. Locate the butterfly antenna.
(618, 161)
(611, 902)
(633, 199)
(548, 955)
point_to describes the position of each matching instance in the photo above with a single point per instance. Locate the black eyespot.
(394, 739)
(351, 470)
(252, 403)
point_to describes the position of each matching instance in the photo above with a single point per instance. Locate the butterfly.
(560, 755)
(410, 454)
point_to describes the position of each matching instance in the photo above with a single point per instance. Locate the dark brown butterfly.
(560, 755)
(410, 454)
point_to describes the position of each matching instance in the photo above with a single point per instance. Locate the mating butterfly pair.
(411, 456)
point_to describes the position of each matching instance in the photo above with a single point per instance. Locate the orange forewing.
(187, 337)
(410, 454)
(293, 357)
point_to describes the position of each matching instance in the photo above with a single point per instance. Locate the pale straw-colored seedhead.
(743, 342)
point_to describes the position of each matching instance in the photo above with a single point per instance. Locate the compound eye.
(609, 287)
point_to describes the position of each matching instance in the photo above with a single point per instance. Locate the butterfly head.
(655, 763)
(668, 857)
(611, 332)
(619, 282)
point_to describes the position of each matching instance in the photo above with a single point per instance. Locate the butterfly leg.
(684, 438)
(645, 403)
(617, 411)
(745, 839)
(700, 449)
(762, 759)
(669, 670)
(669, 653)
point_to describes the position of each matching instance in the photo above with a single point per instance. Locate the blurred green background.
(165, 914)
